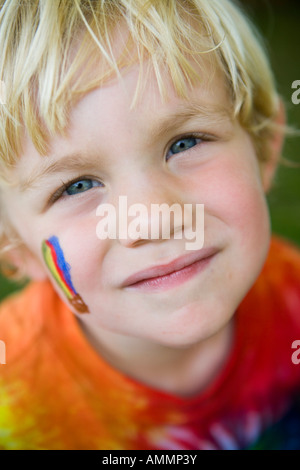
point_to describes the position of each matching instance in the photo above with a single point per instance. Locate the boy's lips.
(168, 275)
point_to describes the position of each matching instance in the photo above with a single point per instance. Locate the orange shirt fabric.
(56, 392)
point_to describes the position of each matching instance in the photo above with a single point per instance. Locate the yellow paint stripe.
(51, 265)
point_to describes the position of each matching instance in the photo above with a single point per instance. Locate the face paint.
(60, 270)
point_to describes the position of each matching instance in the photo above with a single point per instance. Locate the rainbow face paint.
(60, 270)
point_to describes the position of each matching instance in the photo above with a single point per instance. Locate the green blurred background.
(279, 23)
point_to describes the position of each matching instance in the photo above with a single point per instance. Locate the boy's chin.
(193, 328)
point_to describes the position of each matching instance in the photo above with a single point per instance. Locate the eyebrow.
(206, 114)
(72, 161)
(78, 162)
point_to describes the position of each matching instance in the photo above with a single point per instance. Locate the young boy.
(130, 340)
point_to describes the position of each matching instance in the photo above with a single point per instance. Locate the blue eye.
(81, 186)
(183, 144)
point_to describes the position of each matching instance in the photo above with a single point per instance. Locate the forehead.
(112, 108)
(138, 94)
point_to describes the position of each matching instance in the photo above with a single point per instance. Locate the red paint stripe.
(60, 272)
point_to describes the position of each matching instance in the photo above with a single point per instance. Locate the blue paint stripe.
(64, 266)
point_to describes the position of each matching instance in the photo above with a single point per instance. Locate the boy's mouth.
(170, 275)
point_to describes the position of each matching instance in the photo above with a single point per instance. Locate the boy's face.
(158, 152)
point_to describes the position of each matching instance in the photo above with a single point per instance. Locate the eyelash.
(59, 193)
(202, 137)
(197, 136)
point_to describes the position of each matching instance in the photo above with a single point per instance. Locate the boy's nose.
(150, 211)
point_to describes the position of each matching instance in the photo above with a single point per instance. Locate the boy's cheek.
(235, 199)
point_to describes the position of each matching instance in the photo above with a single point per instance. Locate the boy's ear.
(275, 146)
(26, 264)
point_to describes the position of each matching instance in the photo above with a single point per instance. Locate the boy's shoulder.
(22, 317)
(284, 250)
(269, 316)
(282, 268)
(276, 292)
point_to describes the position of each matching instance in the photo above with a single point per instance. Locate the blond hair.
(49, 60)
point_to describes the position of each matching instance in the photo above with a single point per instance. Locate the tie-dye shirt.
(57, 393)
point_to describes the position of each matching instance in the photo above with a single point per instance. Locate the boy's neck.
(180, 371)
